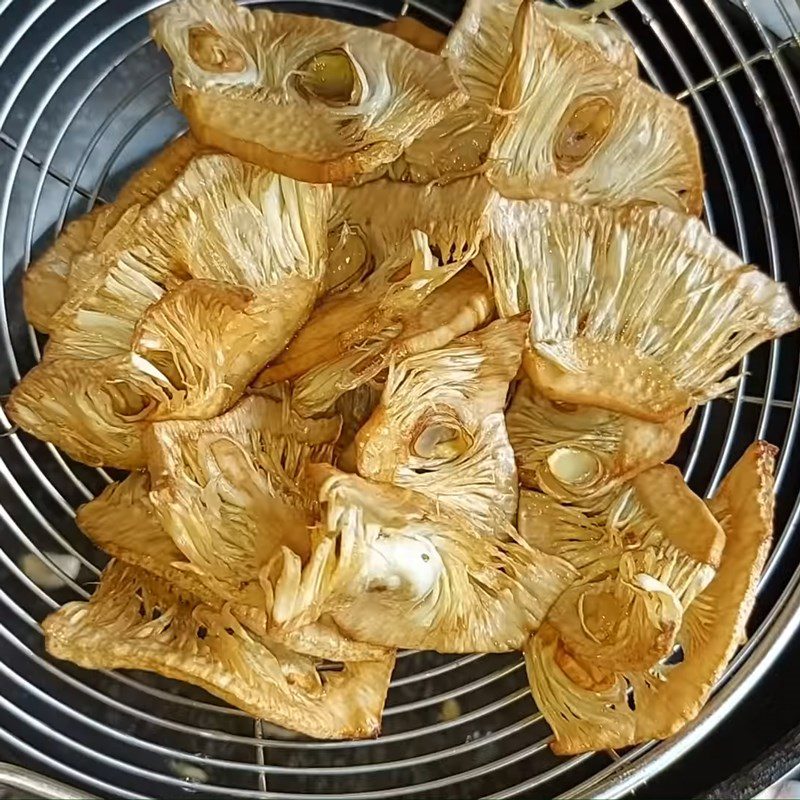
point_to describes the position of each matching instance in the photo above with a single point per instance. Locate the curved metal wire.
(498, 732)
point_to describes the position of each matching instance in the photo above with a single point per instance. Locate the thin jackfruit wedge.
(622, 708)
(480, 48)
(391, 246)
(577, 127)
(454, 217)
(136, 621)
(639, 311)
(393, 569)
(95, 411)
(574, 451)
(653, 515)
(232, 490)
(45, 282)
(123, 521)
(221, 220)
(209, 340)
(99, 320)
(406, 305)
(440, 430)
(311, 98)
(415, 32)
(462, 304)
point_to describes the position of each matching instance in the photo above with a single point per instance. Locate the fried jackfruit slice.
(45, 283)
(100, 322)
(463, 303)
(406, 305)
(221, 220)
(136, 621)
(615, 709)
(414, 32)
(231, 490)
(577, 127)
(390, 245)
(315, 99)
(393, 569)
(571, 451)
(453, 217)
(95, 411)
(123, 521)
(440, 430)
(480, 48)
(639, 311)
(209, 340)
(653, 516)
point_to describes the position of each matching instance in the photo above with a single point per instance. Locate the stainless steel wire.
(86, 98)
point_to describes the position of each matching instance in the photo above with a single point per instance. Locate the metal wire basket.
(84, 99)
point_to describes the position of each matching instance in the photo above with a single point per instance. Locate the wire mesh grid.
(84, 99)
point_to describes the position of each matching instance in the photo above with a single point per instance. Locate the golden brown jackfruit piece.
(209, 340)
(460, 305)
(639, 311)
(379, 304)
(311, 98)
(392, 568)
(95, 411)
(576, 127)
(653, 516)
(610, 709)
(440, 429)
(232, 490)
(480, 48)
(45, 282)
(123, 521)
(415, 32)
(241, 255)
(136, 621)
(572, 451)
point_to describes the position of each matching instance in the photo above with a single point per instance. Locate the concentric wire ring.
(86, 99)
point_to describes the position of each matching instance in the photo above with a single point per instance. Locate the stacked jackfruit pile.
(395, 345)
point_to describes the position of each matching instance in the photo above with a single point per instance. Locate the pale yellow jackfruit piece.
(440, 429)
(480, 48)
(93, 410)
(577, 127)
(574, 451)
(311, 98)
(136, 621)
(415, 32)
(639, 311)
(123, 521)
(654, 515)
(194, 293)
(221, 219)
(392, 568)
(232, 490)
(591, 709)
(45, 283)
